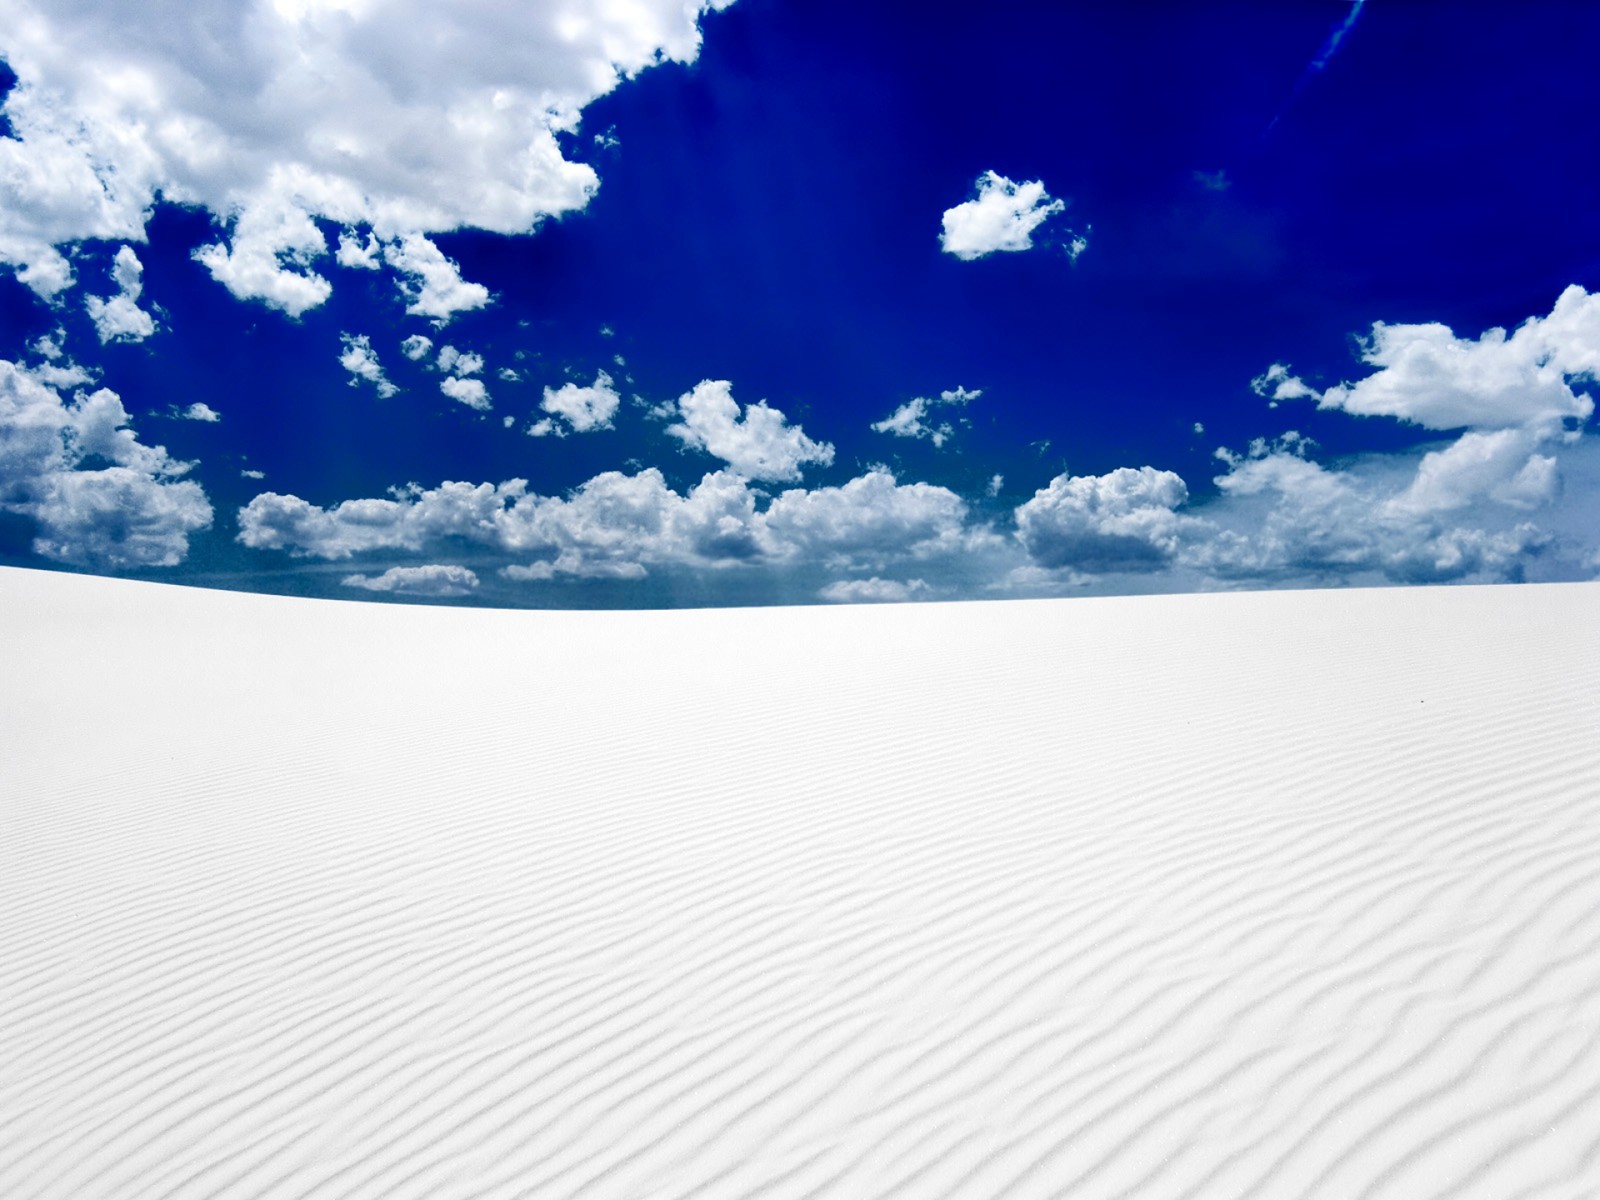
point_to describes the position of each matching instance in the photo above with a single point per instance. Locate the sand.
(1274, 894)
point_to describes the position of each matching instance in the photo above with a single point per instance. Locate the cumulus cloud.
(459, 362)
(616, 526)
(432, 283)
(1460, 508)
(417, 347)
(409, 520)
(873, 591)
(362, 362)
(760, 444)
(460, 365)
(911, 418)
(119, 318)
(1277, 383)
(1502, 465)
(612, 525)
(870, 521)
(1285, 517)
(1121, 521)
(470, 392)
(395, 119)
(274, 244)
(620, 526)
(435, 579)
(580, 409)
(200, 411)
(354, 252)
(1002, 216)
(1282, 517)
(1449, 513)
(48, 346)
(99, 497)
(1430, 377)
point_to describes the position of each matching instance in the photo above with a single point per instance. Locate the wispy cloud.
(1331, 46)
(1324, 56)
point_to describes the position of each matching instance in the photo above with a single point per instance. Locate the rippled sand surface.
(1279, 895)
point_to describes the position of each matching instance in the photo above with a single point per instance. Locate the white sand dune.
(1278, 895)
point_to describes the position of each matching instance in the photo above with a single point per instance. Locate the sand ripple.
(1255, 895)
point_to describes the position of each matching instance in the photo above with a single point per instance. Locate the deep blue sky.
(770, 215)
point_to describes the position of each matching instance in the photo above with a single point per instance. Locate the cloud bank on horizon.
(331, 147)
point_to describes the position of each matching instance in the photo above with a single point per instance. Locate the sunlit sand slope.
(1249, 895)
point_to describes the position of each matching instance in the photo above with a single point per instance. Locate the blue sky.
(593, 304)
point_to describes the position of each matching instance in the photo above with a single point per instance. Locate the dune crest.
(1269, 894)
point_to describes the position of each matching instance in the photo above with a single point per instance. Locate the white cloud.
(274, 243)
(616, 525)
(1277, 383)
(1461, 508)
(432, 283)
(1447, 513)
(1120, 521)
(582, 409)
(416, 347)
(100, 497)
(1002, 217)
(996, 482)
(356, 253)
(119, 318)
(1290, 442)
(871, 521)
(435, 579)
(459, 362)
(410, 520)
(252, 473)
(1501, 465)
(1284, 517)
(470, 392)
(397, 118)
(612, 525)
(874, 590)
(200, 411)
(60, 374)
(509, 375)
(362, 362)
(621, 526)
(761, 444)
(115, 517)
(1429, 376)
(910, 419)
